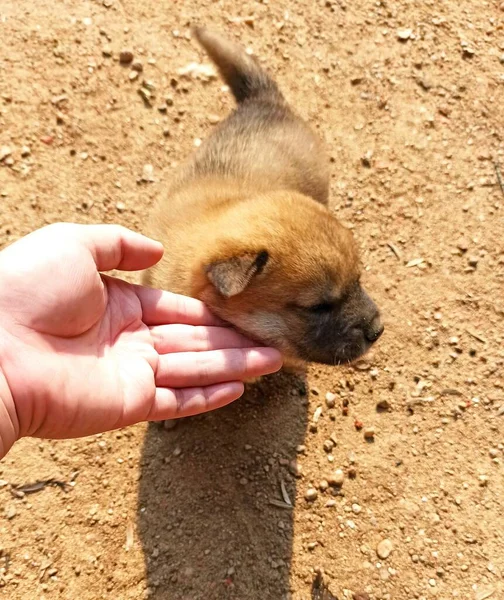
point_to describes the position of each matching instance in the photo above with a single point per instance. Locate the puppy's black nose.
(374, 329)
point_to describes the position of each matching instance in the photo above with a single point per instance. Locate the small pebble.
(311, 494)
(336, 478)
(11, 512)
(120, 207)
(5, 151)
(137, 66)
(356, 508)
(328, 446)
(463, 244)
(330, 399)
(384, 549)
(404, 34)
(473, 261)
(25, 151)
(360, 596)
(148, 173)
(133, 75)
(295, 468)
(369, 433)
(144, 93)
(125, 57)
(383, 405)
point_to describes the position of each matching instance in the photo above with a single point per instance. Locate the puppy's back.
(263, 143)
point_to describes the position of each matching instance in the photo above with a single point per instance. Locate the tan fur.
(257, 188)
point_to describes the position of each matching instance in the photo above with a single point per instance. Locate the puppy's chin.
(266, 328)
(339, 355)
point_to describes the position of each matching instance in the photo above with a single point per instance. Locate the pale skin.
(83, 353)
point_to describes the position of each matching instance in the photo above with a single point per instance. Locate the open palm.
(82, 352)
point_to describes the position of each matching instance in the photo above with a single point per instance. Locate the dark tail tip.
(246, 78)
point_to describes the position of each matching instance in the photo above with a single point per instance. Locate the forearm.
(9, 426)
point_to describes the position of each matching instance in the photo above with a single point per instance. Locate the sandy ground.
(409, 97)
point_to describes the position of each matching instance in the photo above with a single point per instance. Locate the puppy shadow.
(214, 520)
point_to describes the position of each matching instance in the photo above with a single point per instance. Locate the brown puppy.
(246, 228)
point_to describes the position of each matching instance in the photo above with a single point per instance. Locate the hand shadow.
(211, 519)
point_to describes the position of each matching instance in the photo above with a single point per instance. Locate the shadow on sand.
(209, 515)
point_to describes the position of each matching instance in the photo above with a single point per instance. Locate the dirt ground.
(409, 97)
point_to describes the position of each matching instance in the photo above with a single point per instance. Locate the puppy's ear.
(233, 275)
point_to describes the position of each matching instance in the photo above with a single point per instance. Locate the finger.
(115, 247)
(161, 308)
(189, 369)
(186, 402)
(187, 338)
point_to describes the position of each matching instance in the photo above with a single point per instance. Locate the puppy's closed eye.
(318, 308)
(322, 307)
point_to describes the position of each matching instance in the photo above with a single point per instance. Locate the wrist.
(9, 423)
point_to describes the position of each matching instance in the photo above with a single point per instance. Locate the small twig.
(476, 336)
(450, 392)
(499, 176)
(285, 495)
(394, 250)
(32, 488)
(416, 262)
(280, 504)
(129, 536)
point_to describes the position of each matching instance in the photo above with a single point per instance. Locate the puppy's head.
(286, 273)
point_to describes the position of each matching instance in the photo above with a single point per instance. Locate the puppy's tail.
(241, 72)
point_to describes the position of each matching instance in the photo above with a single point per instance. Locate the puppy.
(246, 228)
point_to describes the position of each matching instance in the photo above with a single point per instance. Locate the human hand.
(82, 352)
